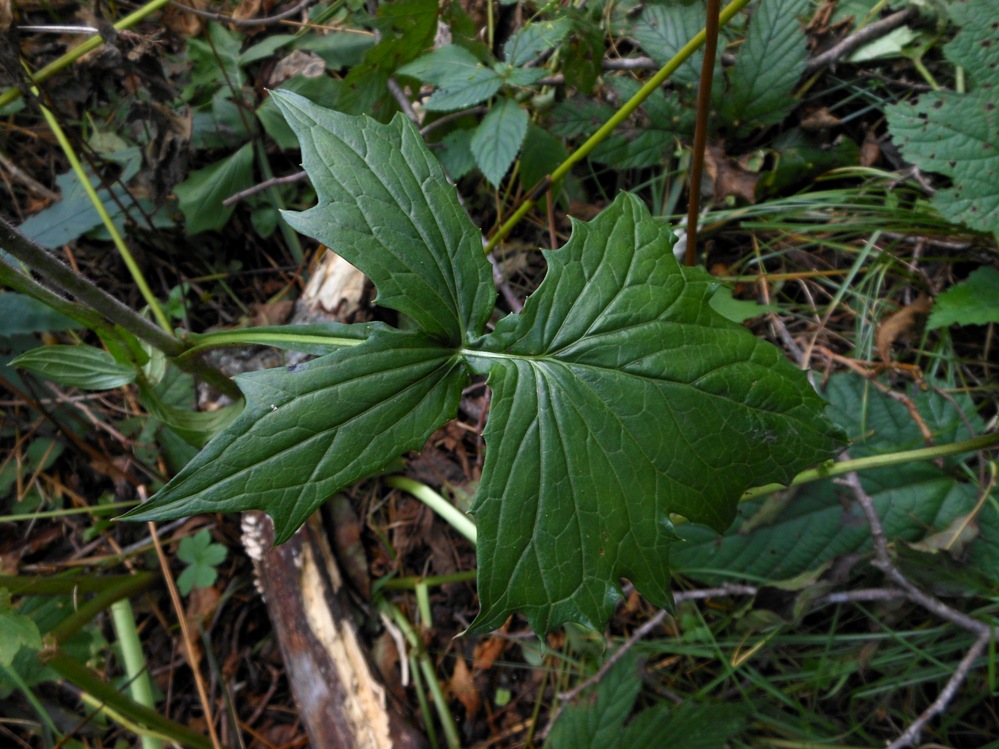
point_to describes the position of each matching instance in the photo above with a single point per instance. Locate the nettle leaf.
(528, 42)
(498, 138)
(461, 79)
(619, 398)
(971, 302)
(957, 135)
(664, 27)
(768, 66)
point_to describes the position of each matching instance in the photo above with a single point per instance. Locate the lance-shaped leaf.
(308, 433)
(620, 398)
(386, 206)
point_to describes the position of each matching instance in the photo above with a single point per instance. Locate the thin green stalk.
(410, 583)
(608, 127)
(61, 275)
(130, 585)
(13, 94)
(47, 585)
(106, 307)
(454, 517)
(427, 667)
(831, 470)
(83, 678)
(119, 242)
(109, 509)
(135, 663)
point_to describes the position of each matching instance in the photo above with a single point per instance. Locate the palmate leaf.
(619, 398)
(619, 395)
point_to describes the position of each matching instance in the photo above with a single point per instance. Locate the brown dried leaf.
(903, 326)
(462, 686)
(729, 178)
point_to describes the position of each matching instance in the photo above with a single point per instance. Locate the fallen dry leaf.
(903, 326)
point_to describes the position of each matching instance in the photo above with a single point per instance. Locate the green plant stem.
(102, 307)
(119, 241)
(58, 273)
(62, 586)
(410, 583)
(135, 663)
(274, 196)
(831, 470)
(427, 668)
(123, 586)
(454, 517)
(13, 94)
(608, 127)
(249, 336)
(701, 128)
(83, 678)
(108, 509)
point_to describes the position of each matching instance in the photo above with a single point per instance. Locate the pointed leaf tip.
(386, 206)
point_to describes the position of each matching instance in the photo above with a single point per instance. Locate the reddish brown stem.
(701, 129)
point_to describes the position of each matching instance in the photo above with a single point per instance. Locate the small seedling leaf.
(530, 41)
(202, 557)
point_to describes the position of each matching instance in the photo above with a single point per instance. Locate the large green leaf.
(619, 398)
(768, 66)
(307, 433)
(386, 207)
(619, 395)
(957, 135)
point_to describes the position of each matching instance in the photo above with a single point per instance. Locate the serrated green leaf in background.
(202, 193)
(462, 81)
(664, 27)
(601, 724)
(498, 138)
(974, 301)
(598, 724)
(957, 135)
(531, 40)
(76, 366)
(782, 538)
(620, 398)
(387, 208)
(767, 67)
